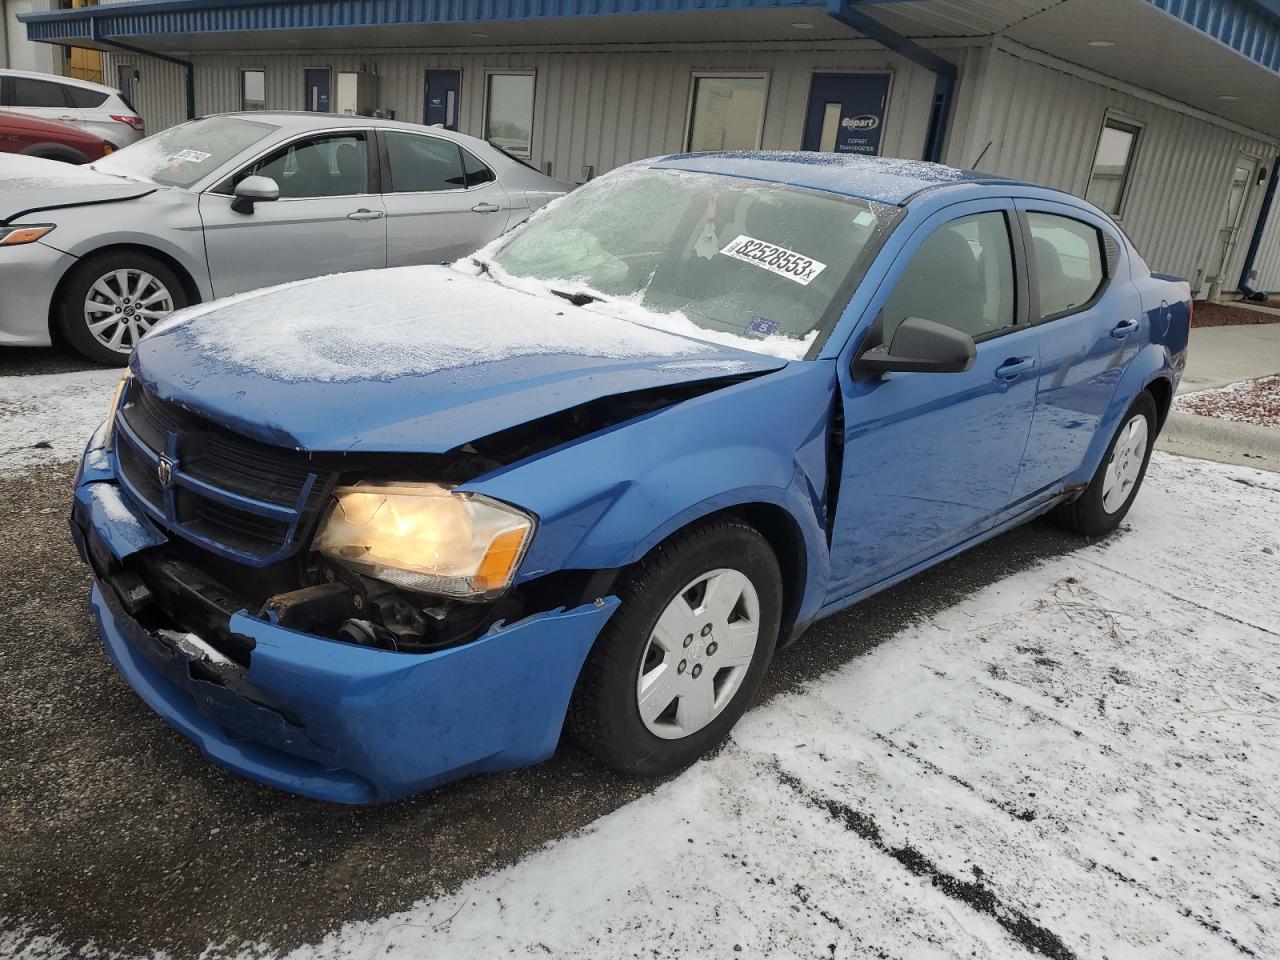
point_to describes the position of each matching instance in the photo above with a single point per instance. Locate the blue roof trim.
(1249, 27)
(154, 17)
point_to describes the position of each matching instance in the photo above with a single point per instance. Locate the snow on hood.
(408, 359)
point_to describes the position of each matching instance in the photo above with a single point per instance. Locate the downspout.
(95, 34)
(944, 86)
(1256, 243)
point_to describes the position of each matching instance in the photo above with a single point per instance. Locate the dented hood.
(30, 185)
(416, 359)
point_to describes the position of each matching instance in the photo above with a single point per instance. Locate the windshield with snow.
(738, 259)
(184, 155)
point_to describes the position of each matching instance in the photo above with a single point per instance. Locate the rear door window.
(1068, 259)
(26, 92)
(423, 164)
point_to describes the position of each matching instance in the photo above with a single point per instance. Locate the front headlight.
(426, 537)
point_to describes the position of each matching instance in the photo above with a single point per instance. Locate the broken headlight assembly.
(426, 538)
(110, 440)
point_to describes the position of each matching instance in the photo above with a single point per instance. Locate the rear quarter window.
(86, 99)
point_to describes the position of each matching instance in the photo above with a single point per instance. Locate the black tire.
(1088, 515)
(70, 311)
(604, 716)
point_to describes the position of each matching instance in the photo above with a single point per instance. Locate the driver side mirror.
(253, 190)
(920, 346)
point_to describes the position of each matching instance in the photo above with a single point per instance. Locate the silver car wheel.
(1127, 457)
(699, 653)
(122, 305)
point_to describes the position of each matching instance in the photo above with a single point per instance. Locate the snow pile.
(381, 324)
(49, 417)
(1077, 761)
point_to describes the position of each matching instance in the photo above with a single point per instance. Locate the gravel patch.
(1250, 401)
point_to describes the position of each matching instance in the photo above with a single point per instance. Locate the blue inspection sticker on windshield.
(762, 326)
(775, 259)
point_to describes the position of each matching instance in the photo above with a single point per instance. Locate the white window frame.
(253, 69)
(1140, 129)
(484, 115)
(697, 75)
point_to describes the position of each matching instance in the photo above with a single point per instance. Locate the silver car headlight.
(426, 537)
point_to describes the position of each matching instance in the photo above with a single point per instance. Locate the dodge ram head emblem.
(164, 473)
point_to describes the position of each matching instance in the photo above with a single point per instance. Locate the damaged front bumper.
(327, 719)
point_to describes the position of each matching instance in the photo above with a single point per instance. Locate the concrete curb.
(1224, 441)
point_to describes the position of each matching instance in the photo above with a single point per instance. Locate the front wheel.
(1111, 492)
(681, 659)
(111, 300)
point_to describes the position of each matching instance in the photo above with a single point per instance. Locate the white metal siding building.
(1191, 86)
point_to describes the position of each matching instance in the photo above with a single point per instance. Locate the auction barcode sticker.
(775, 259)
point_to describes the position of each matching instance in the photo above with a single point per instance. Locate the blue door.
(846, 112)
(316, 82)
(930, 459)
(1091, 324)
(441, 98)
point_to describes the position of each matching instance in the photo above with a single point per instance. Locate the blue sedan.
(360, 535)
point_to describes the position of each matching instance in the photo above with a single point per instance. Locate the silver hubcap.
(1125, 464)
(699, 654)
(123, 305)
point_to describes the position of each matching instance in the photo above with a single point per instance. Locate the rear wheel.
(1113, 488)
(680, 661)
(111, 300)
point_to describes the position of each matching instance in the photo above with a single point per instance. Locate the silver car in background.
(224, 204)
(94, 108)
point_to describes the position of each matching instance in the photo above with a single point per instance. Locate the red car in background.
(49, 139)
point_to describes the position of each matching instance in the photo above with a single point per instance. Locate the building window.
(726, 112)
(508, 112)
(1112, 165)
(253, 90)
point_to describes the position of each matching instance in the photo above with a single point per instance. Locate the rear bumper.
(332, 720)
(28, 275)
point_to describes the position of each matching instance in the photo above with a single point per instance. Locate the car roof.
(883, 179)
(302, 120)
(57, 78)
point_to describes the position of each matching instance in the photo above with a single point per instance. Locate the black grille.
(237, 496)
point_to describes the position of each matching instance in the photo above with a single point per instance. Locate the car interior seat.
(350, 164)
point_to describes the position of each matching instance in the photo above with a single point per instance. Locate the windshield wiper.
(578, 299)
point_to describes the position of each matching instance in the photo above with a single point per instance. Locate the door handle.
(1124, 329)
(66, 116)
(486, 208)
(366, 214)
(1015, 367)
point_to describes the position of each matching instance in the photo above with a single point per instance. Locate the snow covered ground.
(1078, 761)
(48, 417)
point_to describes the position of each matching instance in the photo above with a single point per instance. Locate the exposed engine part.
(366, 634)
(311, 608)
